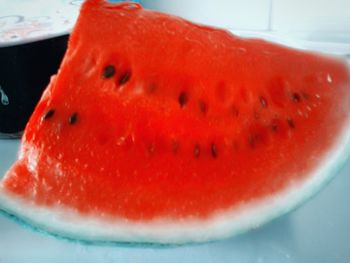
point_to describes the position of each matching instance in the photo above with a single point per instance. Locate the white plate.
(27, 21)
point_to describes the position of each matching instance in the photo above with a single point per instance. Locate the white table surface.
(319, 232)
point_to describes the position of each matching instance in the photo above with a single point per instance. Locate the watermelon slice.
(156, 129)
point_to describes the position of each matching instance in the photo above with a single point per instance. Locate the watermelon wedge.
(159, 130)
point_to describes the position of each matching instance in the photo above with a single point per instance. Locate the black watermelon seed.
(48, 114)
(73, 118)
(183, 99)
(124, 78)
(197, 150)
(203, 107)
(296, 97)
(214, 150)
(108, 71)
(263, 102)
(291, 123)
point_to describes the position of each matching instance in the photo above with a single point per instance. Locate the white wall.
(315, 19)
(237, 14)
(311, 15)
(309, 19)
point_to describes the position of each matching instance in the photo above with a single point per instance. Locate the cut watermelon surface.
(159, 130)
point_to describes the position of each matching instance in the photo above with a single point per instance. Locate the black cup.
(25, 71)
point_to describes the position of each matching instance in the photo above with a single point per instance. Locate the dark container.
(25, 71)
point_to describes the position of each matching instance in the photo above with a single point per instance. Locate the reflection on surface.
(271, 243)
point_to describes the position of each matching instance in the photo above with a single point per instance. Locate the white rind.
(70, 224)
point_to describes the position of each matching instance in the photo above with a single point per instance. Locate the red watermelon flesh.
(167, 131)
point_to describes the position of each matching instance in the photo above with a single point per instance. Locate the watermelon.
(159, 130)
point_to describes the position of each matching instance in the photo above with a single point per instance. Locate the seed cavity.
(251, 141)
(214, 150)
(124, 78)
(109, 71)
(151, 148)
(263, 102)
(254, 139)
(296, 97)
(73, 118)
(183, 99)
(274, 127)
(197, 151)
(151, 88)
(175, 146)
(49, 114)
(235, 145)
(203, 107)
(291, 123)
(305, 95)
(256, 115)
(235, 111)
